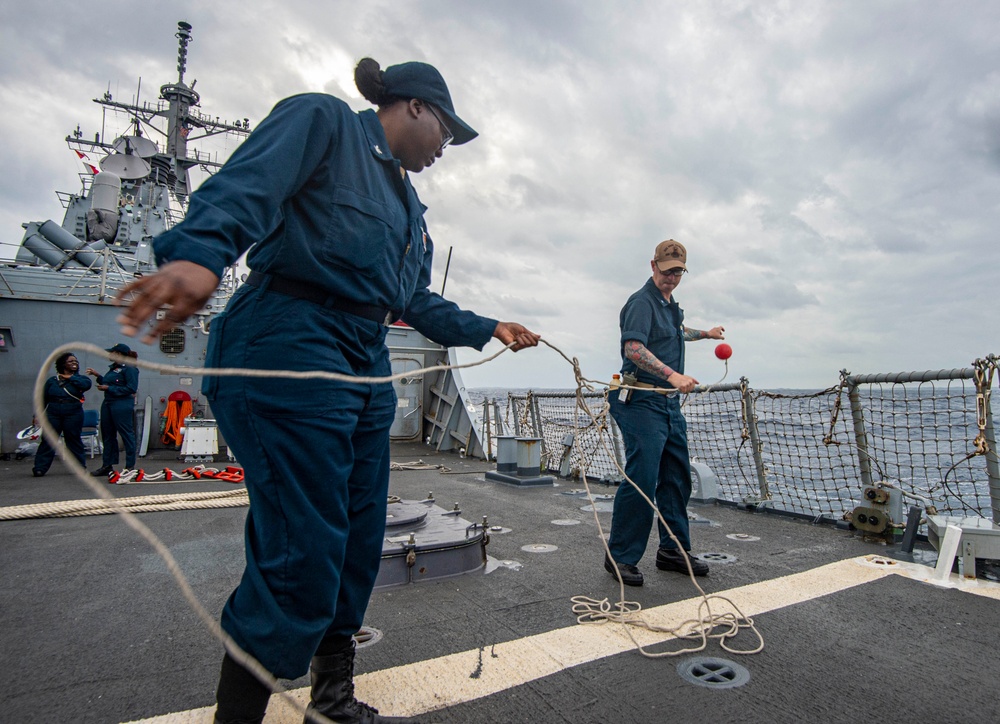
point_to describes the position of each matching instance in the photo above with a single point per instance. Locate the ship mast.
(181, 98)
(185, 123)
(183, 119)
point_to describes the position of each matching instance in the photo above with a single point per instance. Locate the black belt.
(320, 296)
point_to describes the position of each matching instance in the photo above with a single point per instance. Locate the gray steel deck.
(94, 629)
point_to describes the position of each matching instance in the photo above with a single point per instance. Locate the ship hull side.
(33, 328)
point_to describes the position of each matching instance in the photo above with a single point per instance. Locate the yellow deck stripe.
(448, 680)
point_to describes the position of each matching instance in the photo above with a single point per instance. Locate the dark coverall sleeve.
(241, 204)
(636, 322)
(443, 321)
(80, 384)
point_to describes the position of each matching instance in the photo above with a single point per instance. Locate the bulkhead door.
(408, 423)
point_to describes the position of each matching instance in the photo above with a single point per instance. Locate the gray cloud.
(832, 167)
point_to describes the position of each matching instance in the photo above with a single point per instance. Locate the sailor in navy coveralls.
(64, 409)
(119, 384)
(653, 428)
(321, 197)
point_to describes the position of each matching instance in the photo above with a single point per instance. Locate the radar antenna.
(184, 37)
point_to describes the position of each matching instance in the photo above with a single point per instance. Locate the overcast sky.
(832, 167)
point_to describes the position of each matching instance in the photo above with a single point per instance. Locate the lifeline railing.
(811, 453)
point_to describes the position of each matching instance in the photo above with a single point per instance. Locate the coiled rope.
(142, 504)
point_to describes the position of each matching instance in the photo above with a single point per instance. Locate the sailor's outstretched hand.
(520, 335)
(182, 286)
(684, 383)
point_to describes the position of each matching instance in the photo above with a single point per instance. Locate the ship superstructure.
(62, 283)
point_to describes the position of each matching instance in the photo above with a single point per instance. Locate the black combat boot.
(630, 575)
(333, 691)
(671, 559)
(241, 698)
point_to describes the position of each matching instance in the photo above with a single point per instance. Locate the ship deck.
(95, 629)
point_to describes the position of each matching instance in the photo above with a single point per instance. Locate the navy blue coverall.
(118, 413)
(317, 197)
(654, 431)
(64, 410)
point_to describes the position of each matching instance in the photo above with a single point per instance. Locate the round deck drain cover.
(539, 548)
(713, 673)
(566, 521)
(743, 537)
(713, 557)
(499, 530)
(601, 507)
(367, 636)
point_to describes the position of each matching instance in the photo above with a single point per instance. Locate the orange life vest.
(178, 409)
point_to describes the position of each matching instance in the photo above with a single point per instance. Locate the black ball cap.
(424, 81)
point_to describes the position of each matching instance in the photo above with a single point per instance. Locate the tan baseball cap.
(670, 254)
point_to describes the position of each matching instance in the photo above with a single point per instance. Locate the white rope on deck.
(141, 504)
(417, 465)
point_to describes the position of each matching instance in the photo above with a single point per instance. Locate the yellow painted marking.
(448, 680)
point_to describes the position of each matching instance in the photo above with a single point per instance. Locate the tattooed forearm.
(693, 335)
(645, 360)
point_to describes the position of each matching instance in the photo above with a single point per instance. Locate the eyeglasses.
(673, 272)
(446, 135)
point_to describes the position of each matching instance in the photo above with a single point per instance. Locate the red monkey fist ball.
(723, 351)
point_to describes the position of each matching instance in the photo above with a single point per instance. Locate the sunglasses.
(446, 135)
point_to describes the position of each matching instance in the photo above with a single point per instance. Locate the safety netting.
(929, 434)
